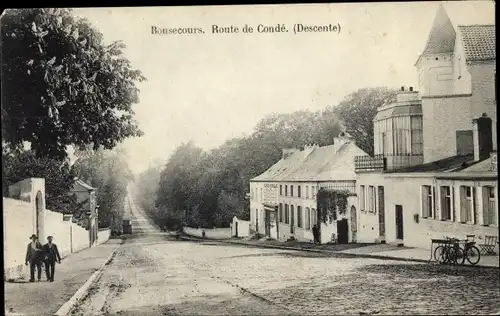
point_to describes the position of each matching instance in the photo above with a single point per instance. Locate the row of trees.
(212, 185)
(63, 86)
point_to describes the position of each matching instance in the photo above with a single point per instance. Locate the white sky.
(209, 88)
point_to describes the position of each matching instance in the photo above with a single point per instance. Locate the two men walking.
(36, 254)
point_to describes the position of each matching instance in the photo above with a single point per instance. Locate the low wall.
(240, 228)
(17, 230)
(215, 233)
(103, 235)
(60, 230)
(80, 238)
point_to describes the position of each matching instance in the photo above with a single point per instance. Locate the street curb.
(337, 253)
(83, 290)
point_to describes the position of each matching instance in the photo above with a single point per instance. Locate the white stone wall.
(215, 233)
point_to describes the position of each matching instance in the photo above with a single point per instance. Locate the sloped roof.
(84, 185)
(482, 166)
(319, 164)
(479, 42)
(450, 17)
(454, 163)
(400, 110)
(442, 35)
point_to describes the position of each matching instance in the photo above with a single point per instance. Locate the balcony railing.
(376, 163)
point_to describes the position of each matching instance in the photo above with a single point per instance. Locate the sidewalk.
(378, 251)
(44, 298)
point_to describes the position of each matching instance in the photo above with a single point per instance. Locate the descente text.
(302, 28)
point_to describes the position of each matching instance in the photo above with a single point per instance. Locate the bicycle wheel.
(446, 255)
(456, 255)
(473, 255)
(439, 254)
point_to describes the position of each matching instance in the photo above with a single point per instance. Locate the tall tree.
(61, 85)
(357, 111)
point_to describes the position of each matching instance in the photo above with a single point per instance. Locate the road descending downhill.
(153, 274)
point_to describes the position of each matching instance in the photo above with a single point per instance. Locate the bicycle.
(470, 252)
(450, 252)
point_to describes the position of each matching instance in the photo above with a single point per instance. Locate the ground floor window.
(299, 216)
(446, 203)
(489, 206)
(467, 207)
(427, 201)
(280, 215)
(308, 218)
(313, 217)
(287, 214)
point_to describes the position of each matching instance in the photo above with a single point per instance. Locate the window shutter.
(474, 213)
(453, 204)
(425, 210)
(444, 207)
(463, 211)
(486, 200)
(433, 210)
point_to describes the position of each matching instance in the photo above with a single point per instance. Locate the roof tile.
(479, 42)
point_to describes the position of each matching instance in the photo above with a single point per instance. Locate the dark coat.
(51, 254)
(33, 255)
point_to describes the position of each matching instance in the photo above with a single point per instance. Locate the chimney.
(482, 137)
(402, 88)
(341, 139)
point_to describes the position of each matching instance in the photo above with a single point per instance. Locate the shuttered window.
(427, 201)
(467, 201)
(489, 206)
(446, 204)
(362, 198)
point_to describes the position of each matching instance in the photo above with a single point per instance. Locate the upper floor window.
(298, 191)
(428, 205)
(467, 204)
(489, 206)
(291, 190)
(286, 190)
(281, 189)
(261, 199)
(307, 192)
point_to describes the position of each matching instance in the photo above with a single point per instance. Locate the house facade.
(434, 169)
(283, 199)
(86, 194)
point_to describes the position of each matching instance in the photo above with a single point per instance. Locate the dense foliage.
(61, 85)
(212, 186)
(58, 178)
(109, 172)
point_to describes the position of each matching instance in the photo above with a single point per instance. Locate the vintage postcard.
(284, 159)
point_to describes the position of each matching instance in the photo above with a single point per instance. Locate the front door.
(268, 223)
(342, 231)
(292, 219)
(399, 222)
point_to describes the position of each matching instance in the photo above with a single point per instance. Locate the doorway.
(381, 212)
(268, 223)
(354, 224)
(399, 222)
(342, 231)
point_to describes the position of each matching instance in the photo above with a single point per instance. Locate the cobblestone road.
(154, 276)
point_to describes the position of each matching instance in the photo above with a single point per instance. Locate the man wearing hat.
(33, 253)
(51, 255)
